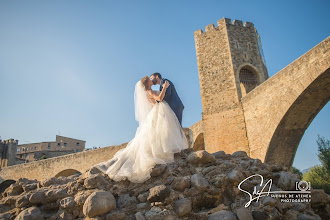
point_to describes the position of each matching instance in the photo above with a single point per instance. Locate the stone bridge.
(63, 165)
(287, 104)
(278, 111)
(57, 166)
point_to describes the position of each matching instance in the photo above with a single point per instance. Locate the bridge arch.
(278, 112)
(67, 172)
(289, 132)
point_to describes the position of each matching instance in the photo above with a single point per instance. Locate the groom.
(171, 96)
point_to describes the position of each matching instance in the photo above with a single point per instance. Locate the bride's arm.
(160, 96)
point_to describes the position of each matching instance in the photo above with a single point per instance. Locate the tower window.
(77, 143)
(64, 144)
(58, 144)
(247, 77)
(248, 80)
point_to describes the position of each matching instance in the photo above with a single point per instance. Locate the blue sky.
(69, 67)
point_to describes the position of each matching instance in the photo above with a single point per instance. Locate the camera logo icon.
(303, 185)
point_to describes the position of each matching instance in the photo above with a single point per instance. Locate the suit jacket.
(171, 96)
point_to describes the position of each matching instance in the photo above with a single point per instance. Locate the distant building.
(11, 153)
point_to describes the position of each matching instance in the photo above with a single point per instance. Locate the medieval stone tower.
(230, 64)
(8, 149)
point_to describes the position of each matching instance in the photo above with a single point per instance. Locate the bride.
(157, 138)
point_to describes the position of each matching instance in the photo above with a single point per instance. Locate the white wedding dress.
(157, 138)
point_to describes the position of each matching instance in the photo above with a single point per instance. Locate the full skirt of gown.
(155, 142)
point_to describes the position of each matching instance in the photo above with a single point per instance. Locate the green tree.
(296, 171)
(324, 152)
(319, 178)
(319, 175)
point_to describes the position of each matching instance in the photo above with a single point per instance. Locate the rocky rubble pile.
(197, 185)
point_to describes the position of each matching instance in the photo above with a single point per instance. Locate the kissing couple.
(159, 134)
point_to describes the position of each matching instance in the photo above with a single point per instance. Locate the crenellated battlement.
(224, 21)
(9, 141)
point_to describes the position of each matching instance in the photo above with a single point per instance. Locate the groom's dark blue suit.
(173, 100)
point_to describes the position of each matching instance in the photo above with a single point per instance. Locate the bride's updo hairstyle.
(144, 81)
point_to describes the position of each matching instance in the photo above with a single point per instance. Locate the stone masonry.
(221, 53)
(244, 109)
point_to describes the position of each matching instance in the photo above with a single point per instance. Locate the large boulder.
(99, 203)
(158, 169)
(199, 182)
(32, 213)
(37, 197)
(181, 183)
(94, 181)
(14, 189)
(182, 206)
(200, 157)
(158, 193)
(55, 194)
